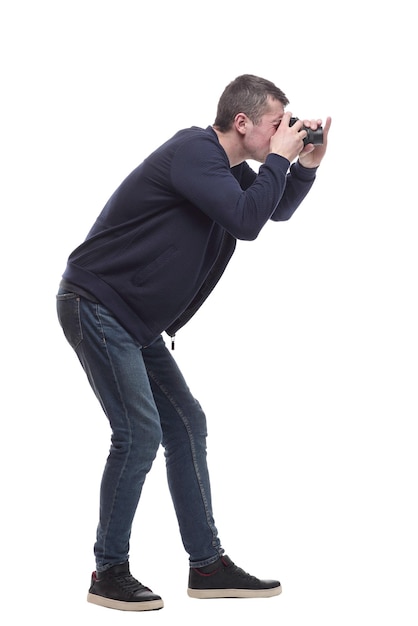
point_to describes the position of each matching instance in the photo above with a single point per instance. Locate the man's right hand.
(288, 140)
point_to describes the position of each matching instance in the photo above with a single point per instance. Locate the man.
(153, 256)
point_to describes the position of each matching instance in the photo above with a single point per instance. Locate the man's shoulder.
(195, 133)
(199, 145)
(187, 138)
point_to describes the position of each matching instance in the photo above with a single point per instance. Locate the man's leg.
(212, 574)
(115, 369)
(184, 439)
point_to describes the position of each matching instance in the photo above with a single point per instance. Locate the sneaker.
(116, 588)
(224, 579)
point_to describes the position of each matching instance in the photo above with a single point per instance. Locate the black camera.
(314, 136)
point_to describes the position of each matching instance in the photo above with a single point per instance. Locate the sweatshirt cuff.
(279, 159)
(303, 173)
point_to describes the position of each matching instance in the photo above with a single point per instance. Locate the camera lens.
(313, 136)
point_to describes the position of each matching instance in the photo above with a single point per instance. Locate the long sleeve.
(200, 172)
(299, 181)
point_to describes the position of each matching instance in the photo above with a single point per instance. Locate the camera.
(314, 136)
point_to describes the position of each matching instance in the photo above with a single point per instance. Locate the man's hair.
(246, 94)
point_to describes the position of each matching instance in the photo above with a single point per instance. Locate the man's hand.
(311, 156)
(288, 140)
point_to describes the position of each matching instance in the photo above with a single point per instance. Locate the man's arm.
(298, 184)
(201, 173)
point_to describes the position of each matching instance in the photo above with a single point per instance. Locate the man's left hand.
(311, 156)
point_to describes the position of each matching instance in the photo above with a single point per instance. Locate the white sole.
(149, 605)
(234, 593)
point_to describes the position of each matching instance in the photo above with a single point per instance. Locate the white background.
(305, 356)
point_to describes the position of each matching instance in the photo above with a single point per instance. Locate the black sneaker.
(224, 579)
(116, 588)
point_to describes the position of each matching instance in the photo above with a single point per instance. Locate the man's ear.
(240, 123)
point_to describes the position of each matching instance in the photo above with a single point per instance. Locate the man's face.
(257, 137)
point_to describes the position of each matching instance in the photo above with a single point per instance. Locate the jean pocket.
(68, 311)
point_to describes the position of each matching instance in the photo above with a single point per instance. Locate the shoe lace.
(128, 583)
(238, 571)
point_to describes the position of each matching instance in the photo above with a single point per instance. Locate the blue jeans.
(147, 402)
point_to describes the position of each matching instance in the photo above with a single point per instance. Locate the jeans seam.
(114, 499)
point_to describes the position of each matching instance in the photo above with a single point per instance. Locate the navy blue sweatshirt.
(165, 236)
